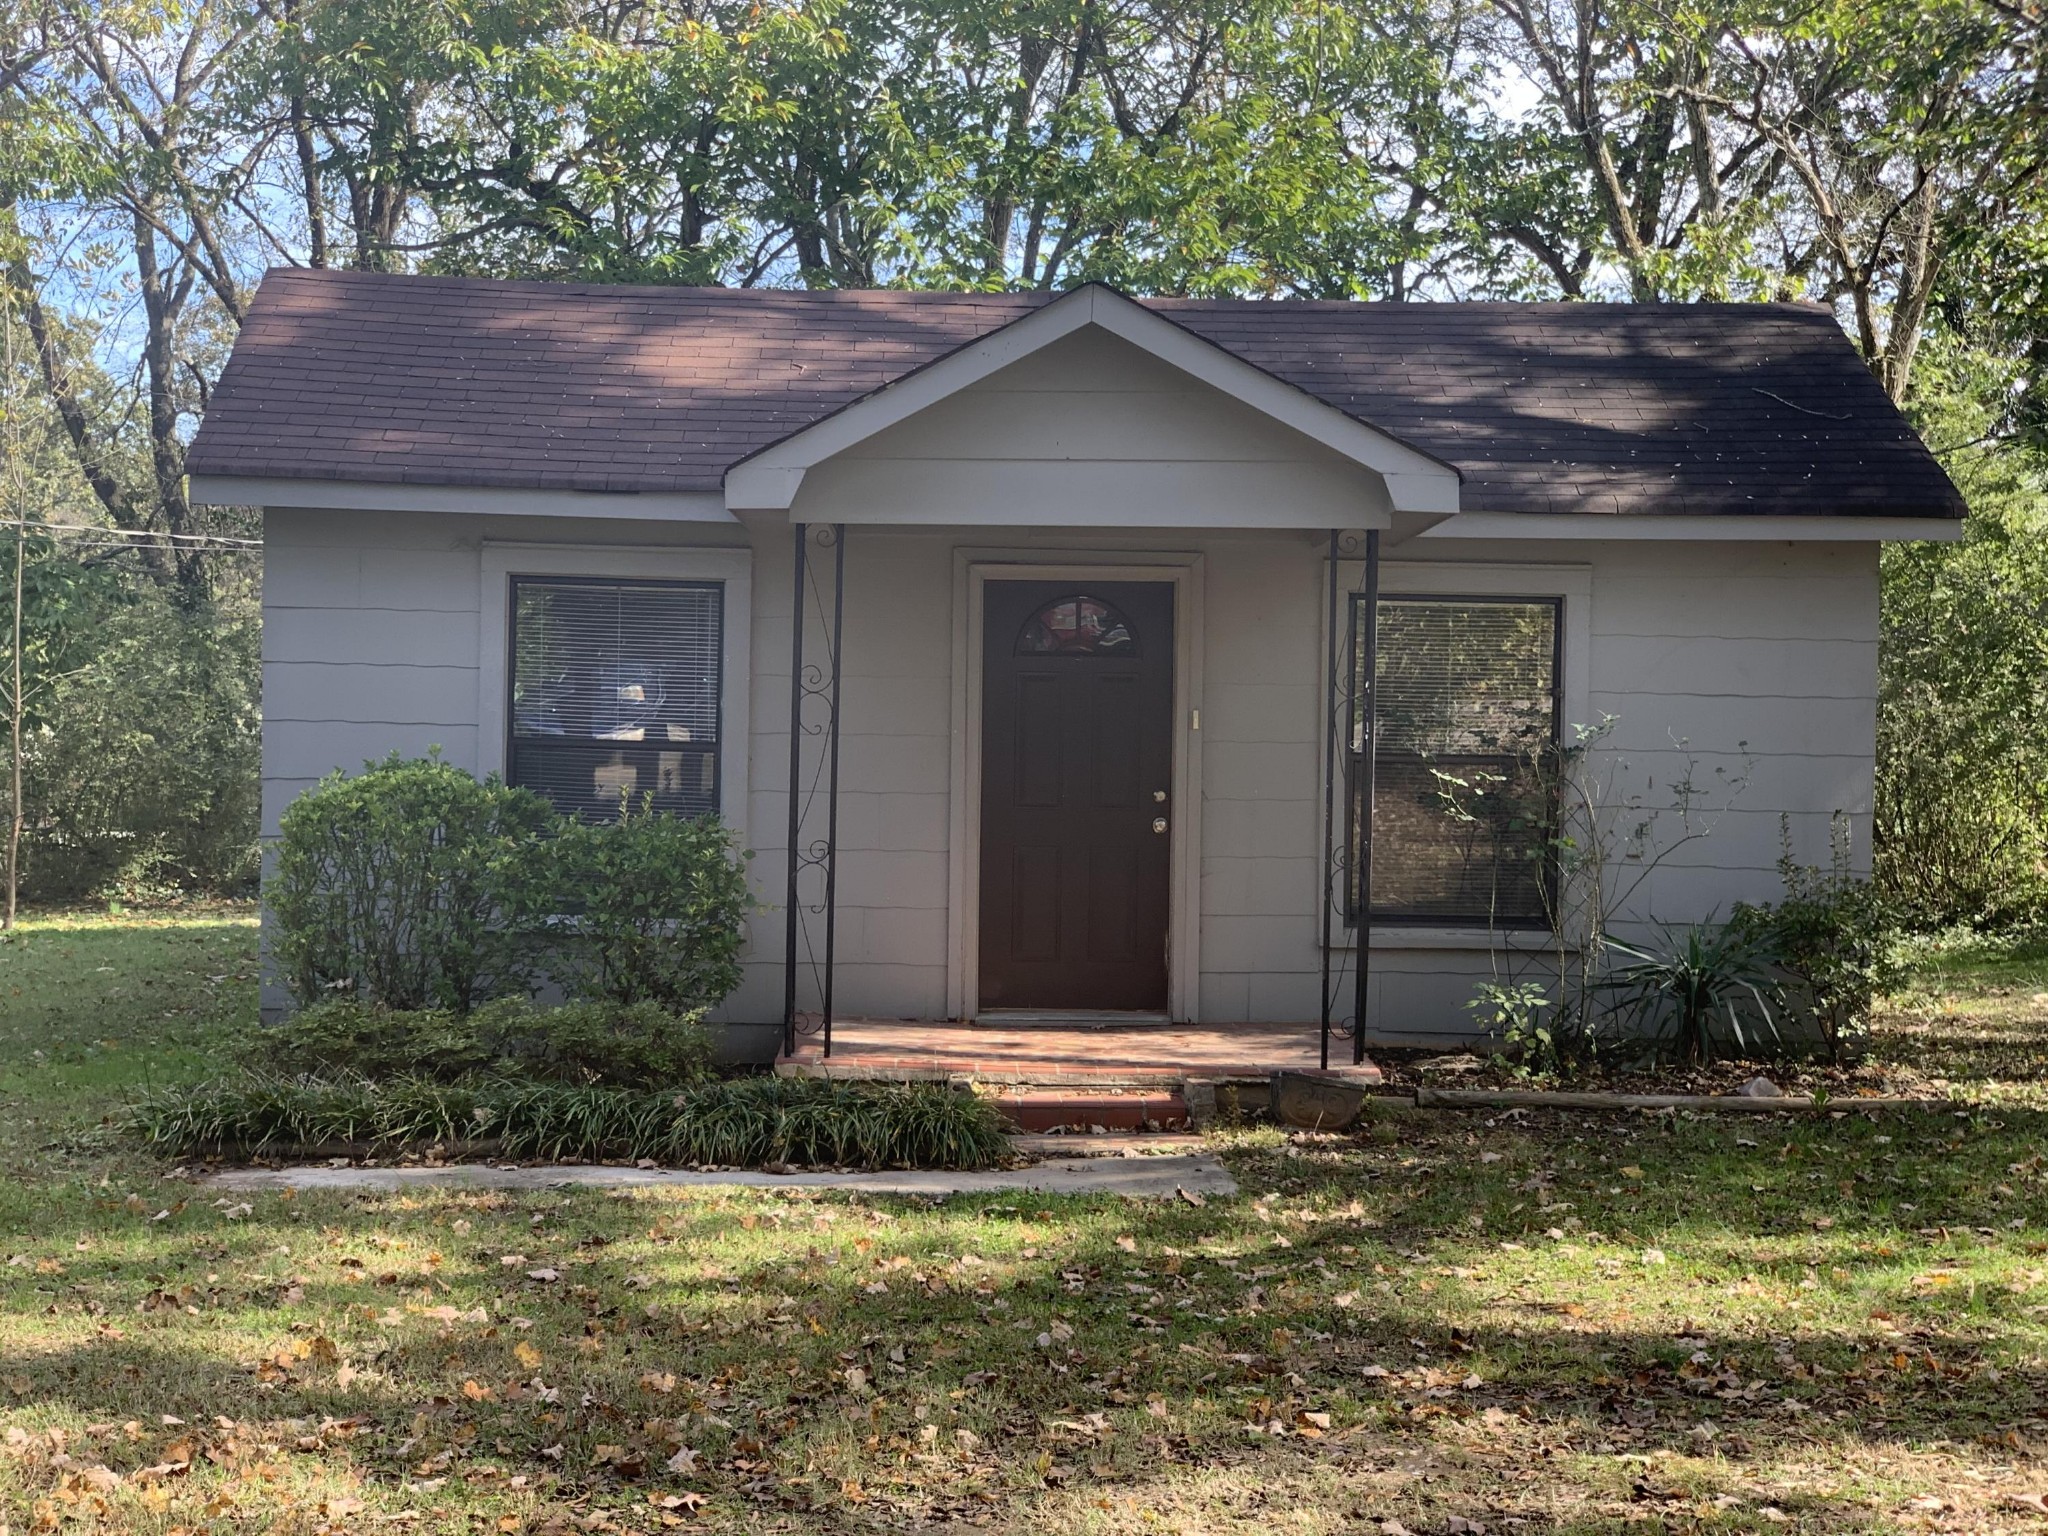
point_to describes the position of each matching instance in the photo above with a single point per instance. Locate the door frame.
(973, 569)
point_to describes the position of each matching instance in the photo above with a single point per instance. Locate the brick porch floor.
(1150, 1055)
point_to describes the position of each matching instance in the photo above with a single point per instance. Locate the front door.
(1076, 794)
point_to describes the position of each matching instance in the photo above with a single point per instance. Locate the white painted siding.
(1750, 665)
(1090, 421)
(371, 624)
(1760, 659)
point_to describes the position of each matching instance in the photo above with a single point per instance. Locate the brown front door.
(1076, 794)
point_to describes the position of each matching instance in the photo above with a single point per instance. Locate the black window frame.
(716, 754)
(1354, 762)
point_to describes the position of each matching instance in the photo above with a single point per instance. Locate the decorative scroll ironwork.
(811, 891)
(1348, 738)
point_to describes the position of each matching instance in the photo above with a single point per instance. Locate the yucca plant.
(1707, 974)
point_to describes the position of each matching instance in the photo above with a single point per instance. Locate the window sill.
(1478, 940)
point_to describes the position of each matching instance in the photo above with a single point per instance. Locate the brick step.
(1038, 1110)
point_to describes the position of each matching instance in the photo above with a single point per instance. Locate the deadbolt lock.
(1159, 795)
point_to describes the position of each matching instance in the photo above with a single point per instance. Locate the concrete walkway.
(1143, 1177)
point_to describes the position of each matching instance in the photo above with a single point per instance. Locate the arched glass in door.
(1077, 626)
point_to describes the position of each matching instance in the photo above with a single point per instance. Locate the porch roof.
(1540, 408)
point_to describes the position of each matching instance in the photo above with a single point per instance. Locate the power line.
(182, 540)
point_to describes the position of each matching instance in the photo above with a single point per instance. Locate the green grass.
(1974, 1017)
(92, 1005)
(1584, 1325)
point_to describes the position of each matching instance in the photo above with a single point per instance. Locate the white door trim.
(973, 569)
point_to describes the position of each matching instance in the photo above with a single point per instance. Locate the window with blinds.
(615, 693)
(1464, 801)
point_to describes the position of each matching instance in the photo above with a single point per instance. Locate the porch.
(1047, 1076)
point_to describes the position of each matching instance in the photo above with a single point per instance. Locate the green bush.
(392, 886)
(346, 1037)
(649, 908)
(745, 1122)
(142, 750)
(627, 1045)
(1832, 937)
(638, 1045)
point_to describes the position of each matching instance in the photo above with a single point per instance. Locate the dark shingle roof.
(1655, 408)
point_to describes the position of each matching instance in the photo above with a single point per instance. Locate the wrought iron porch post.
(1365, 702)
(832, 779)
(792, 911)
(818, 683)
(1330, 764)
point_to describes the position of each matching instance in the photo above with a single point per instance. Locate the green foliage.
(649, 908)
(142, 766)
(627, 1045)
(390, 886)
(1512, 1012)
(1833, 938)
(1677, 997)
(346, 1037)
(1961, 811)
(744, 1122)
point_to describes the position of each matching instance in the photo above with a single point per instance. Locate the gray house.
(1129, 660)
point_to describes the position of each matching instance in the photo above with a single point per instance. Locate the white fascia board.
(513, 501)
(1415, 481)
(1051, 494)
(1728, 528)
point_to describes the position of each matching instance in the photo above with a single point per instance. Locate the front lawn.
(1447, 1323)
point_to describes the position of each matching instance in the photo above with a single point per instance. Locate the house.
(1059, 612)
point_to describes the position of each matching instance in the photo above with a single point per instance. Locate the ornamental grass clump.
(257, 1113)
(745, 1122)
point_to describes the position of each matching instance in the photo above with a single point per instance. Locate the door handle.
(1158, 823)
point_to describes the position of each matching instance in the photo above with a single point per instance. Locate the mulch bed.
(1405, 1071)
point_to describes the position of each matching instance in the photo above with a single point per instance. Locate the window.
(615, 693)
(1467, 706)
(1077, 626)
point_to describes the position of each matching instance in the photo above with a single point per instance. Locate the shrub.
(391, 886)
(628, 1045)
(637, 1045)
(143, 747)
(346, 1037)
(1513, 1014)
(1831, 937)
(748, 1121)
(649, 908)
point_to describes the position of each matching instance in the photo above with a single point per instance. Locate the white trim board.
(1734, 527)
(1416, 481)
(734, 568)
(511, 501)
(973, 569)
